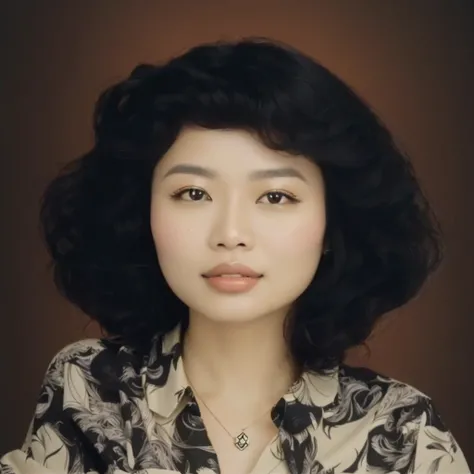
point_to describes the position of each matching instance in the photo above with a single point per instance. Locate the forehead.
(232, 152)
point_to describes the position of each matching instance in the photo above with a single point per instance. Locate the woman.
(242, 220)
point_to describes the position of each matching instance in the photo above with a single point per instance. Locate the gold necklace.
(241, 441)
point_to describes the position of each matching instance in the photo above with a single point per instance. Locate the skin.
(230, 217)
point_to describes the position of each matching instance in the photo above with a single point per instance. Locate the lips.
(232, 270)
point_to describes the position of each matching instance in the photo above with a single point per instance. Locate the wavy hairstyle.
(384, 238)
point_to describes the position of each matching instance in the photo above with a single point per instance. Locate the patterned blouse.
(104, 409)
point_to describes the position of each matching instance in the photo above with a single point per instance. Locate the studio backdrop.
(412, 61)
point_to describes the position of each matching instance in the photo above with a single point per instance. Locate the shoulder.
(79, 349)
(79, 352)
(98, 361)
(396, 406)
(389, 400)
(382, 386)
(403, 415)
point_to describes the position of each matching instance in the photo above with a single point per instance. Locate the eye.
(190, 194)
(279, 197)
(198, 195)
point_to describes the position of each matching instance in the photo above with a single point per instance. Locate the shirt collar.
(166, 384)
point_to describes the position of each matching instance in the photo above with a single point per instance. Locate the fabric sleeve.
(437, 450)
(53, 444)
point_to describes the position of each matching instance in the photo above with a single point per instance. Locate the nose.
(232, 228)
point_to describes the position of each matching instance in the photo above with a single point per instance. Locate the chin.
(237, 312)
(232, 318)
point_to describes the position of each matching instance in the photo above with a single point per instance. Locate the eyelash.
(292, 199)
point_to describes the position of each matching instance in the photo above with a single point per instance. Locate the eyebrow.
(254, 175)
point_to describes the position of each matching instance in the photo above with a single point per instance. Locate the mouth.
(232, 282)
(235, 270)
(232, 278)
(232, 275)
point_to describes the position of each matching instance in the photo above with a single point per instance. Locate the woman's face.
(222, 197)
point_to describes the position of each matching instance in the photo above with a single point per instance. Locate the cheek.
(303, 238)
(174, 249)
(174, 238)
(166, 237)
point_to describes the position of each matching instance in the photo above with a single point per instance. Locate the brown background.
(413, 60)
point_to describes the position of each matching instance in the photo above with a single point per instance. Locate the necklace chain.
(241, 441)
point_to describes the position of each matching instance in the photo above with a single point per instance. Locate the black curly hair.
(383, 236)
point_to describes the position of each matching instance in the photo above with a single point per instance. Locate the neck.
(238, 360)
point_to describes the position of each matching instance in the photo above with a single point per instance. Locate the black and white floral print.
(104, 409)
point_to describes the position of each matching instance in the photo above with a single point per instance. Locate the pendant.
(242, 441)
